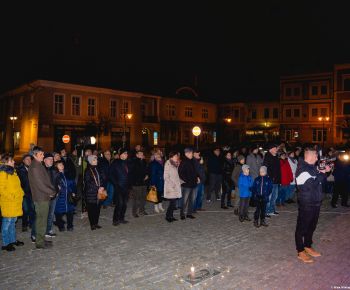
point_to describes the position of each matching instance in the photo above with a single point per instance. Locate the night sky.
(233, 50)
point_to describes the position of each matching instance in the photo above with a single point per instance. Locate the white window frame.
(72, 104)
(95, 111)
(63, 104)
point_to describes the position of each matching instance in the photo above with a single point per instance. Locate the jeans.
(28, 214)
(139, 199)
(290, 192)
(199, 198)
(260, 208)
(121, 198)
(8, 230)
(215, 181)
(187, 195)
(110, 192)
(283, 194)
(41, 210)
(271, 205)
(243, 206)
(171, 207)
(51, 214)
(306, 225)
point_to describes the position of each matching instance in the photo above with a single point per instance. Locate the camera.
(324, 161)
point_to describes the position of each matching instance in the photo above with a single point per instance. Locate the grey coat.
(254, 162)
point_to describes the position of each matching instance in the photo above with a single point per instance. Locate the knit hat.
(240, 158)
(188, 150)
(123, 150)
(263, 169)
(91, 158)
(271, 145)
(48, 155)
(245, 166)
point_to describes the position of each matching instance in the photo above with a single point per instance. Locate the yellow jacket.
(11, 193)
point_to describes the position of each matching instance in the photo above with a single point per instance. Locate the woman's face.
(94, 161)
(60, 167)
(175, 158)
(10, 162)
(229, 156)
(157, 157)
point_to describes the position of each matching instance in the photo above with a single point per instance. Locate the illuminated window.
(76, 105)
(91, 107)
(155, 138)
(59, 104)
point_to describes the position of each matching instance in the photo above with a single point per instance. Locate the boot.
(311, 252)
(235, 211)
(263, 223)
(256, 223)
(156, 208)
(305, 257)
(160, 206)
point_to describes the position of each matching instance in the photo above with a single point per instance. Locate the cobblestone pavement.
(149, 253)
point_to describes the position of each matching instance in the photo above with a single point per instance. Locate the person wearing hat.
(28, 217)
(272, 162)
(245, 183)
(254, 160)
(48, 163)
(190, 178)
(261, 191)
(119, 174)
(93, 183)
(235, 176)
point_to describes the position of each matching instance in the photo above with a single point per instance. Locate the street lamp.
(129, 117)
(228, 120)
(322, 119)
(196, 131)
(13, 119)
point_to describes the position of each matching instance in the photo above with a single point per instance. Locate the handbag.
(101, 194)
(152, 195)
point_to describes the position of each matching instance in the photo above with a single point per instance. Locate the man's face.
(217, 152)
(57, 157)
(63, 152)
(255, 151)
(27, 161)
(311, 157)
(140, 155)
(88, 152)
(197, 155)
(228, 156)
(246, 171)
(48, 161)
(138, 147)
(242, 161)
(108, 155)
(124, 156)
(273, 151)
(39, 156)
(189, 154)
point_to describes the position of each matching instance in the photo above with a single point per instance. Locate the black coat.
(105, 167)
(215, 164)
(22, 172)
(187, 172)
(200, 169)
(119, 174)
(90, 185)
(273, 167)
(310, 184)
(138, 172)
(227, 173)
(69, 168)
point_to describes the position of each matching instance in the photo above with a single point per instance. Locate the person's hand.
(198, 180)
(322, 171)
(146, 178)
(328, 168)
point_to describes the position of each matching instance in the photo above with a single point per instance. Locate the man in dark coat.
(69, 167)
(341, 183)
(42, 192)
(119, 175)
(215, 174)
(189, 176)
(105, 166)
(309, 182)
(139, 177)
(28, 204)
(272, 162)
(199, 165)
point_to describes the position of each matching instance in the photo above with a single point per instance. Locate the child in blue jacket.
(245, 183)
(261, 190)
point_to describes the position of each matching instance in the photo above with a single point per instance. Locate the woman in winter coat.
(254, 160)
(293, 163)
(286, 179)
(11, 198)
(93, 183)
(172, 184)
(157, 179)
(66, 189)
(227, 184)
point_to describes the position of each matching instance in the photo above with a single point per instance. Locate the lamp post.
(196, 131)
(13, 119)
(322, 119)
(129, 117)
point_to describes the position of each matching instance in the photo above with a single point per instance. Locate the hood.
(7, 169)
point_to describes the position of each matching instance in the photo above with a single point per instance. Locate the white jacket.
(172, 182)
(293, 165)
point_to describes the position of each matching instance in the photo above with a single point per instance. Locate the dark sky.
(235, 50)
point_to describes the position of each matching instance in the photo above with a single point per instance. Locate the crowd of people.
(46, 187)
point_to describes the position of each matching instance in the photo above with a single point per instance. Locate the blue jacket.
(119, 174)
(67, 186)
(245, 183)
(157, 175)
(262, 187)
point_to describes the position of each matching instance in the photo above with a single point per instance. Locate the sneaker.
(268, 215)
(311, 252)
(208, 201)
(18, 243)
(276, 213)
(51, 235)
(273, 214)
(305, 257)
(9, 248)
(256, 224)
(98, 226)
(263, 224)
(33, 239)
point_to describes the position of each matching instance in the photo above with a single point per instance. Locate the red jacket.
(286, 172)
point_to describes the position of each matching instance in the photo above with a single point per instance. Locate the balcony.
(150, 119)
